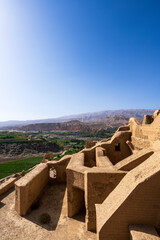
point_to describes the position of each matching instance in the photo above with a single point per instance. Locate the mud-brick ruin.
(116, 181)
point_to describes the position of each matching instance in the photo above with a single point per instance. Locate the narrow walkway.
(53, 201)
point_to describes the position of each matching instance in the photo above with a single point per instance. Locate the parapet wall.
(134, 160)
(146, 134)
(9, 183)
(28, 188)
(60, 167)
(134, 200)
(117, 148)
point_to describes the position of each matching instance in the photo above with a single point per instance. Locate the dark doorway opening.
(80, 205)
(117, 147)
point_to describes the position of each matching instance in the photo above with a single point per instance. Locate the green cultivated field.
(11, 167)
(68, 140)
(8, 168)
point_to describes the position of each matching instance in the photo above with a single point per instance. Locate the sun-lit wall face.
(66, 57)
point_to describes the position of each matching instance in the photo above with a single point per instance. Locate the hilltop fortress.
(116, 181)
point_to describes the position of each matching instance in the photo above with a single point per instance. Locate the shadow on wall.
(5, 195)
(80, 215)
(50, 202)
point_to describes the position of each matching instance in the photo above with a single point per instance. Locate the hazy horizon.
(76, 114)
(61, 58)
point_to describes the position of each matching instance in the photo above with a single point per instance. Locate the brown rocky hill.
(84, 122)
(73, 126)
(15, 149)
(76, 126)
(108, 122)
(85, 117)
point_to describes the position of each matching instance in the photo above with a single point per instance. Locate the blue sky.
(62, 57)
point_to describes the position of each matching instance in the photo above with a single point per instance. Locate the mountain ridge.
(80, 122)
(87, 117)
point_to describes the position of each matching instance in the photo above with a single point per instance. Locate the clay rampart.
(28, 188)
(117, 148)
(134, 200)
(99, 183)
(115, 181)
(143, 136)
(134, 160)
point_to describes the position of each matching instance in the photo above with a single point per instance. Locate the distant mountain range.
(79, 122)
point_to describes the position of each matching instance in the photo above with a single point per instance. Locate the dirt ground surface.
(53, 202)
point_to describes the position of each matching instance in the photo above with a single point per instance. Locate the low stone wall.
(9, 183)
(29, 188)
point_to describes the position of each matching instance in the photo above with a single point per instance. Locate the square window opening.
(117, 147)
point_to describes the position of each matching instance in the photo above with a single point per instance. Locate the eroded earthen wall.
(134, 201)
(98, 185)
(145, 135)
(28, 188)
(118, 149)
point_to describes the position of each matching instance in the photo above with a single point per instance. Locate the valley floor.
(53, 202)
(5, 158)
